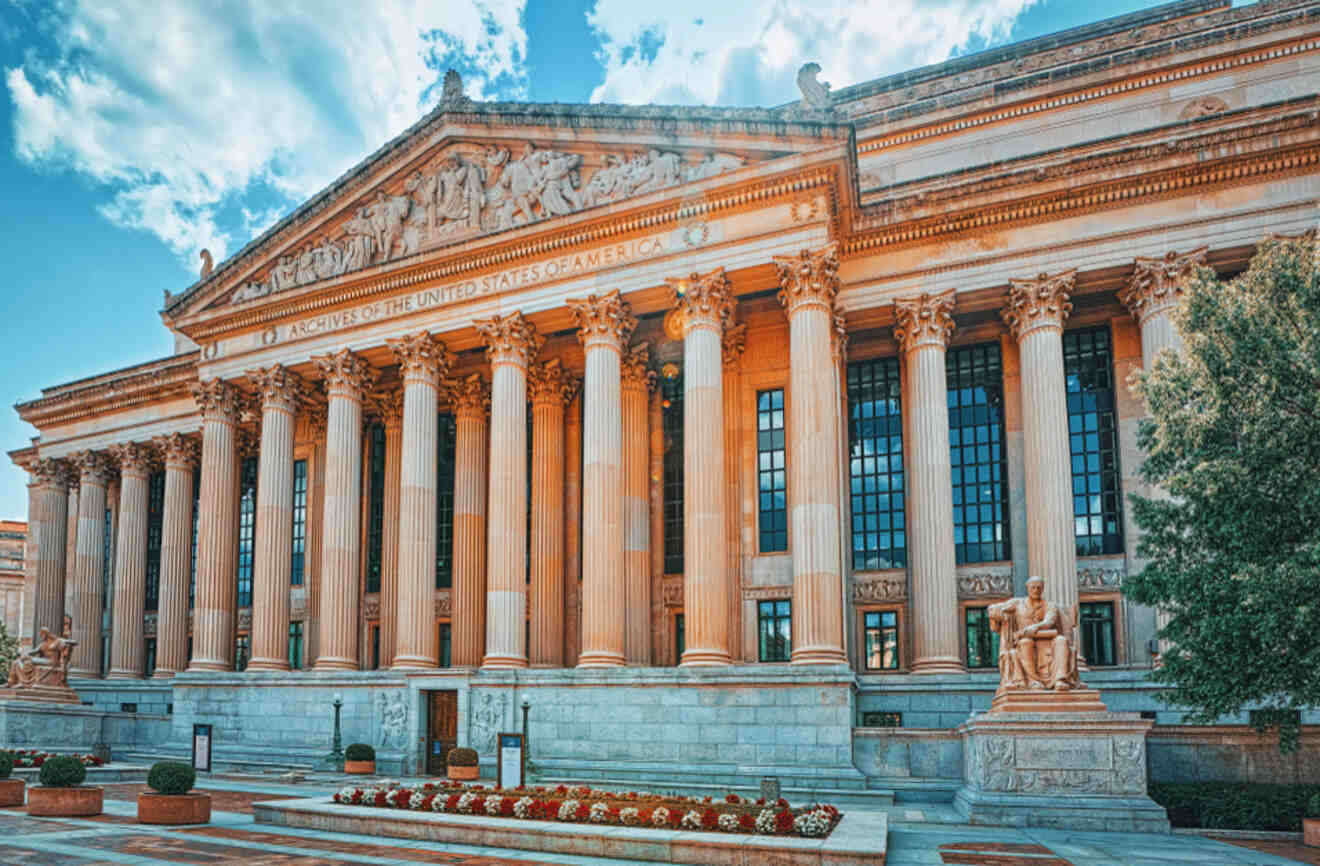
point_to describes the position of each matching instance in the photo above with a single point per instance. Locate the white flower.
(600, 813)
(729, 822)
(628, 816)
(492, 804)
(415, 801)
(438, 803)
(345, 794)
(465, 802)
(660, 817)
(566, 810)
(523, 807)
(692, 820)
(813, 823)
(765, 822)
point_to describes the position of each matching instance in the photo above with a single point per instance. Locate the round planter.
(462, 774)
(1311, 832)
(77, 802)
(360, 768)
(11, 792)
(191, 808)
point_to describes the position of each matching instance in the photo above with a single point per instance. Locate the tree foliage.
(9, 649)
(1233, 542)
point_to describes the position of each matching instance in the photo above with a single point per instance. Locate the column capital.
(422, 358)
(134, 458)
(509, 339)
(839, 339)
(179, 451)
(345, 374)
(50, 472)
(247, 443)
(470, 397)
(218, 400)
(734, 343)
(809, 279)
(278, 387)
(635, 372)
(603, 320)
(1157, 283)
(702, 300)
(926, 320)
(93, 467)
(388, 407)
(551, 383)
(1042, 302)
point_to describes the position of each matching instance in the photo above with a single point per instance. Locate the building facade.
(13, 552)
(556, 403)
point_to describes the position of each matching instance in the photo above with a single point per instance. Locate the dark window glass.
(247, 526)
(192, 556)
(671, 402)
(770, 470)
(447, 440)
(376, 514)
(1098, 632)
(296, 645)
(881, 627)
(155, 522)
(882, 720)
(149, 655)
(299, 557)
(982, 640)
(775, 628)
(680, 638)
(107, 563)
(242, 652)
(445, 640)
(875, 465)
(1088, 364)
(978, 459)
(375, 647)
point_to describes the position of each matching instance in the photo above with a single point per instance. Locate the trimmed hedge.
(1313, 809)
(1236, 805)
(462, 757)
(171, 777)
(6, 764)
(359, 752)
(63, 771)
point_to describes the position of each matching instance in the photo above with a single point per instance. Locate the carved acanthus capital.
(734, 343)
(839, 341)
(278, 388)
(509, 339)
(388, 407)
(550, 383)
(810, 278)
(470, 397)
(345, 374)
(636, 373)
(422, 358)
(134, 458)
(1156, 284)
(926, 320)
(703, 300)
(177, 450)
(217, 400)
(603, 320)
(1043, 302)
(93, 468)
(48, 472)
(247, 443)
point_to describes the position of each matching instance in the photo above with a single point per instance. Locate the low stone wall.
(917, 765)
(1230, 753)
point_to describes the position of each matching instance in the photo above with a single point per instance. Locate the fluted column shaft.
(412, 641)
(70, 542)
(217, 530)
(551, 388)
(346, 378)
(389, 566)
(48, 520)
(809, 285)
(924, 325)
(89, 565)
(126, 649)
(468, 628)
(604, 325)
(280, 392)
(637, 383)
(175, 556)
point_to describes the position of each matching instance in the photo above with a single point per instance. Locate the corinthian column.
(471, 400)
(346, 379)
(281, 391)
(604, 323)
(412, 640)
(638, 380)
(923, 327)
(126, 649)
(511, 344)
(390, 408)
(48, 528)
(551, 388)
(809, 283)
(217, 528)
(705, 309)
(89, 564)
(1035, 313)
(180, 455)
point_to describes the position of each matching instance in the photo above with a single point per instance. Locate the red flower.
(644, 817)
(561, 790)
(733, 799)
(38, 760)
(451, 802)
(506, 807)
(710, 820)
(747, 822)
(426, 804)
(537, 809)
(781, 804)
(380, 800)
(552, 807)
(675, 817)
(583, 812)
(784, 822)
(760, 801)
(613, 812)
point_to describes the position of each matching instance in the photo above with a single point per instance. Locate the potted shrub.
(174, 802)
(462, 764)
(62, 793)
(1311, 823)
(11, 790)
(359, 758)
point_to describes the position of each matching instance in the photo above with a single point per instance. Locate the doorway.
(441, 730)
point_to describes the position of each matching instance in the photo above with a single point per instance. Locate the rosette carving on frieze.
(278, 387)
(636, 371)
(509, 339)
(926, 320)
(177, 450)
(733, 344)
(471, 396)
(551, 383)
(50, 472)
(93, 467)
(703, 300)
(421, 356)
(880, 589)
(603, 319)
(134, 458)
(1043, 302)
(346, 373)
(985, 585)
(1157, 283)
(810, 278)
(217, 400)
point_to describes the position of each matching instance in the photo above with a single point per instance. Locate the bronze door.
(441, 730)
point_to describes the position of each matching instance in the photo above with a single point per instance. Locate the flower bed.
(34, 758)
(581, 804)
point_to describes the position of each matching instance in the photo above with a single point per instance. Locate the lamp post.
(527, 736)
(336, 755)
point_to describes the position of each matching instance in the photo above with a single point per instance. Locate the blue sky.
(132, 135)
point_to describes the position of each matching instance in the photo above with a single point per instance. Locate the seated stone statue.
(1037, 644)
(46, 664)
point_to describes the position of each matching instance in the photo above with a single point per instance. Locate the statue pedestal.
(1060, 769)
(50, 694)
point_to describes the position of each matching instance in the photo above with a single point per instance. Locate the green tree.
(9, 649)
(1233, 438)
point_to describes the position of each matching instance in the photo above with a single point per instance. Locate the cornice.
(173, 378)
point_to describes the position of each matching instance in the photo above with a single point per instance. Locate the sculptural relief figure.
(559, 178)
(1037, 643)
(359, 246)
(386, 215)
(46, 664)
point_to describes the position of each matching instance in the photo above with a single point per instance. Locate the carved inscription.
(1035, 753)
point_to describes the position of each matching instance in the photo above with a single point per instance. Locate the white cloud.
(184, 109)
(748, 53)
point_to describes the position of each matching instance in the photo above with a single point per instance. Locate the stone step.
(795, 795)
(257, 761)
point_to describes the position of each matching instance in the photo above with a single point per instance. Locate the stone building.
(13, 551)
(707, 432)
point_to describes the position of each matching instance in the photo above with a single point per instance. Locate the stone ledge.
(860, 838)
